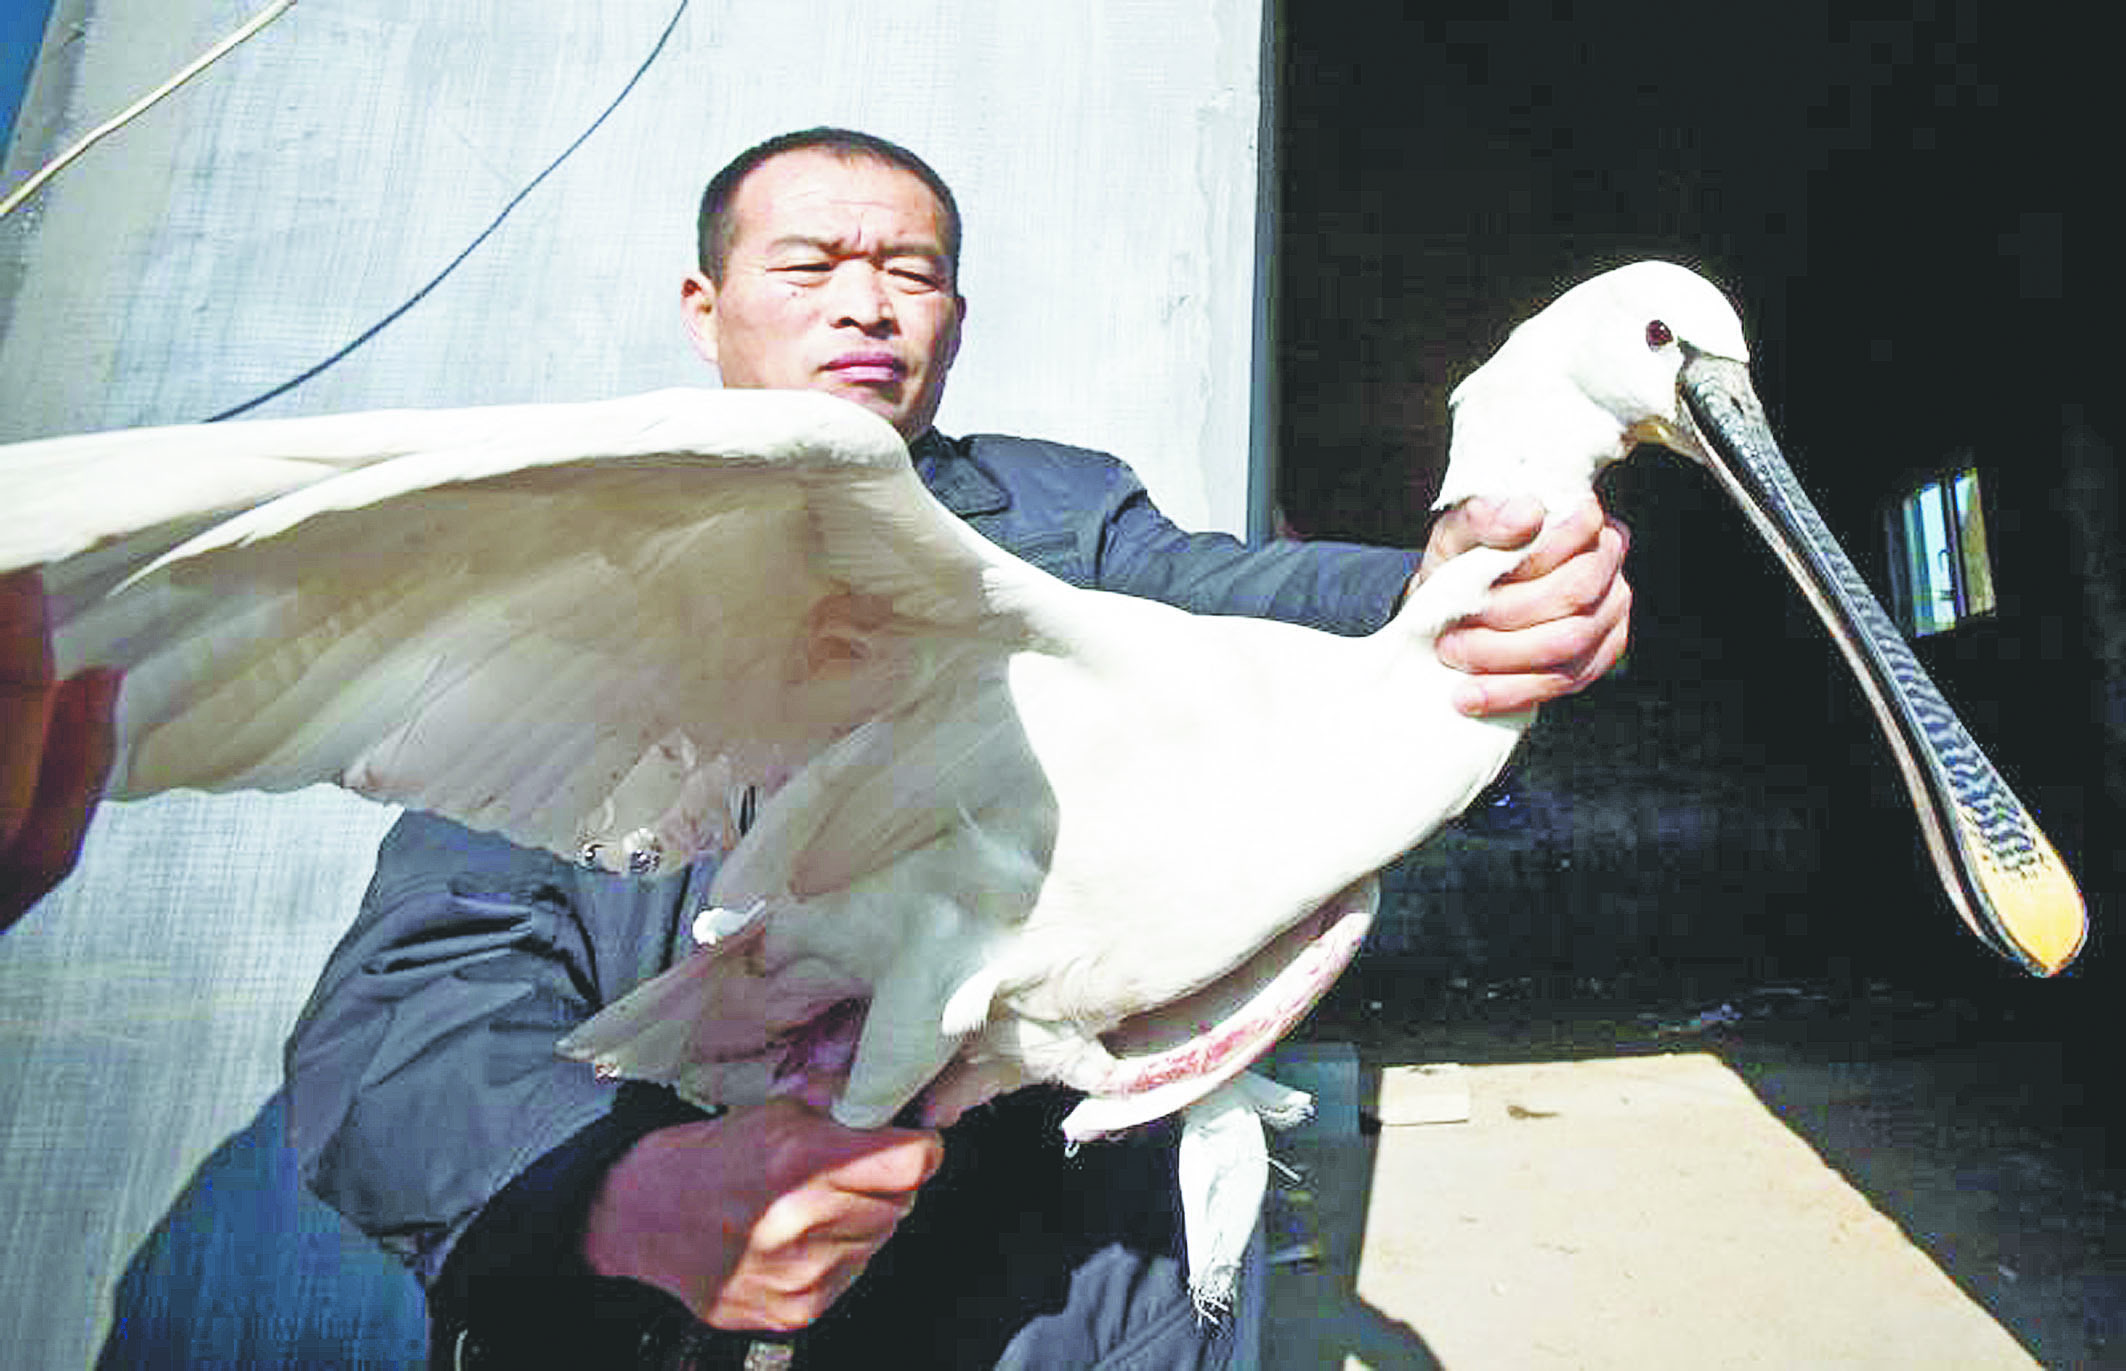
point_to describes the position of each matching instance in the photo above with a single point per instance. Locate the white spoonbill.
(980, 827)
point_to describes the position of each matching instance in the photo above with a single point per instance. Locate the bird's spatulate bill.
(1996, 865)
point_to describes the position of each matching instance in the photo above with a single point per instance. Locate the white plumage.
(1045, 833)
(1016, 817)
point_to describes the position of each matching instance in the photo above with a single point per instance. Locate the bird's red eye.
(1657, 335)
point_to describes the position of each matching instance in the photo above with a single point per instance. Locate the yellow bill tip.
(2033, 903)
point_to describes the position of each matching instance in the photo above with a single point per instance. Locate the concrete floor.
(1787, 1177)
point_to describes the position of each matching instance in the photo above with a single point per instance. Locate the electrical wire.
(393, 317)
(139, 107)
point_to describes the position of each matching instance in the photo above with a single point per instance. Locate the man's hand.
(1555, 623)
(759, 1219)
(56, 742)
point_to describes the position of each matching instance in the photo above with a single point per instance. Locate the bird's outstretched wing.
(593, 628)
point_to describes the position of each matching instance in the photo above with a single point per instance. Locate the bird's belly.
(1178, 853)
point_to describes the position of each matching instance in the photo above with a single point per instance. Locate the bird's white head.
(1651, 353)
(1584, 382)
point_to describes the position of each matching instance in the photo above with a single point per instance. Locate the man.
(559, 1221)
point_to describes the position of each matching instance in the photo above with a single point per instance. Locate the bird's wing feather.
(579, 621)
(131, 494)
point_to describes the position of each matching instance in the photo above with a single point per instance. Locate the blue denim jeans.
(250, 1270)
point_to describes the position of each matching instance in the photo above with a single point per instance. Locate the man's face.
(837, 280)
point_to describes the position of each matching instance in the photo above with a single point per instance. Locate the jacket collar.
(957, 477)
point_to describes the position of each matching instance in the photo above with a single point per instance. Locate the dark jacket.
(427, 1103)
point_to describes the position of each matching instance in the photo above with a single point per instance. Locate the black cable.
(380, 325)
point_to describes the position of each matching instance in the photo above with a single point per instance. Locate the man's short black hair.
(713, 228)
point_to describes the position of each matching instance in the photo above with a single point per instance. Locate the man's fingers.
(1555, 649)
(1573, 584)
(78, 743)
(814, 1238)
(25, 631)
(1480, 523)
(78, 746)
(1509, 692)
(55, 749)
(760, 1218)
(1514, 523)
(1540, 636)
(886, 1162)
(797, 1144)
(839, 1224)
(804, 1145)
(26, 696)
(1585, 531)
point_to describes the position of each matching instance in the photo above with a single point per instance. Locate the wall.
(1104, 156)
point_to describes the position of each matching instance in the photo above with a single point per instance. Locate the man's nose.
(860, 297)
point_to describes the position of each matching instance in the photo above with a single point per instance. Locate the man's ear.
(697, 309)
(959, 326)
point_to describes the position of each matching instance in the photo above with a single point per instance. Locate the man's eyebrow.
(834, 245)
(803, 240)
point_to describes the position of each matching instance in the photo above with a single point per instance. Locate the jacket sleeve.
(1341, 587)
(1087, 517)
(422, 1076)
